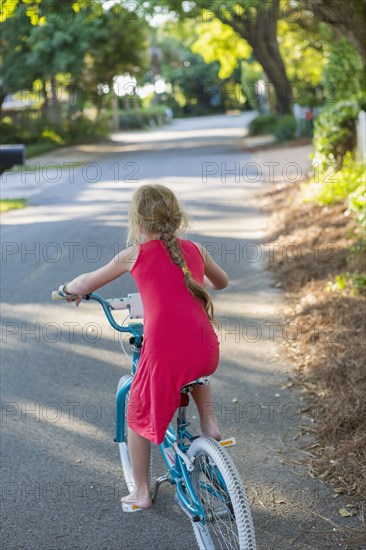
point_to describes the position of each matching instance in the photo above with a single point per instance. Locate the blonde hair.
(155, 209)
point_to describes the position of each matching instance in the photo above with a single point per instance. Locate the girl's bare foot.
(136, 498)
(211, 428)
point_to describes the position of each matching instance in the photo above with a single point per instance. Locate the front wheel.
(228, 521)
(123, 447)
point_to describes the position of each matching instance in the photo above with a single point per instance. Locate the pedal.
(130, 507)
(227, 442)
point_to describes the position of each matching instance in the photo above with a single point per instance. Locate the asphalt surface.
(61, 478)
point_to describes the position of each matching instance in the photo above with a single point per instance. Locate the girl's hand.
(77, 300)
(69, 296)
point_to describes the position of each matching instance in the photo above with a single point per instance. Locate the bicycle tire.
(123, 447)
(226, 492)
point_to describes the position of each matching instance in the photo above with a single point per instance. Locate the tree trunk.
(53, 110)
(261, 33)
(2, 99)
(268, 55)
(115, 112)
(45, 100)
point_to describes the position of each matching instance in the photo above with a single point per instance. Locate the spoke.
(216, 501)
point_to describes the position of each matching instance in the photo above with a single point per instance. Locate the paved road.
(61, 481)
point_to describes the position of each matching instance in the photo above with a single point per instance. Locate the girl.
(180, 344)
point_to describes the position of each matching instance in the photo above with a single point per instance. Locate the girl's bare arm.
(89, 282)
(215, 277)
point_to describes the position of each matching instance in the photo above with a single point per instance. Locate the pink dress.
(179, 341)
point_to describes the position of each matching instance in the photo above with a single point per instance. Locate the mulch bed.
(313, 245)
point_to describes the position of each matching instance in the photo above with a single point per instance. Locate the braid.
(197, 290)
(155, 209)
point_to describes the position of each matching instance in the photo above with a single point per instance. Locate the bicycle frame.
(183, 453)
(178, 473)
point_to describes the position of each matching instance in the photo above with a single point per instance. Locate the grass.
(28, 167)
(12, 204)
(39, 148)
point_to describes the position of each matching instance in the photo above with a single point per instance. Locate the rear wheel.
(216, 481)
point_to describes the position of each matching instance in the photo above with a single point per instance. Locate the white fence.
(361, 137)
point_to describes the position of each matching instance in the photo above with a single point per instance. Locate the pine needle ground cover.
(323, 275)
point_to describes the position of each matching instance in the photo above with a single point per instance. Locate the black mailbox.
(11, 155)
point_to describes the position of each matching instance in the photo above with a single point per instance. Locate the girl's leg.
(202, 396)
(139, 448)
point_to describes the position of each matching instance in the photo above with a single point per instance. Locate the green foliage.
(80, 128)
(348, 184)
(117, 45)
(335, 127)
(35, 149)
(70, 50)
(77, 129)
(343, 74)
(357, 201)
(12, 204)
(31, 9)
(304, 48)
(335, 132)
(142, 118)
(285, 128)
(32, 52)
(8, 132)
(354, 281)
(218, 42)
(281, 126)
(52, 136)
(195, 85)
(262, 124)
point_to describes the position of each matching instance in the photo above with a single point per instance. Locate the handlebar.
(136, 329)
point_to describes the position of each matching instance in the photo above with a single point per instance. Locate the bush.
(142, 118)
(343, 75)
(50, 136)
(281, 126)
(81, 128)
(77, 129)
(335, 132)
(285, 128)
(348, 184)
(11, 133)
(335, 127)
(8, 133)
(262, 124)
(357, 201)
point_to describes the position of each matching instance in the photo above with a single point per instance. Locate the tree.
(255, 21)
(347, 18)
(70, 50)
(16, 76)
(304, 52)
(42, 52)
(118, 44)
(196, 84)
(305, 46)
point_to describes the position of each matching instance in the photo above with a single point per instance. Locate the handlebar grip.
(57, 295)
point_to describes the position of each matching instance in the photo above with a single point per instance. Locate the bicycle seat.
(187, 388)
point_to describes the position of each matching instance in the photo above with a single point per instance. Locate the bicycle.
(207, 484)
